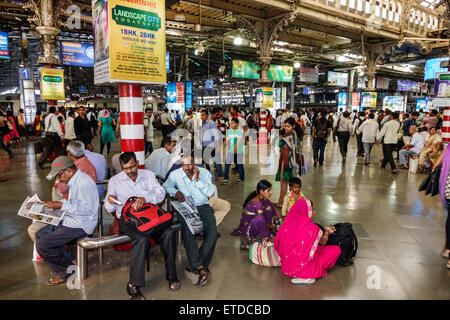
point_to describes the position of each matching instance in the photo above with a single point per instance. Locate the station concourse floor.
(400, 233)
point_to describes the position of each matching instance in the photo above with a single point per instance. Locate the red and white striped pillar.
(446, 125)
(262, 136)
(132, 120)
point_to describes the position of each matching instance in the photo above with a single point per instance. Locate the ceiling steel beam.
(227, 6)
(170, 15)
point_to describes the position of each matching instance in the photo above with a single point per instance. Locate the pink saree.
(297, 243)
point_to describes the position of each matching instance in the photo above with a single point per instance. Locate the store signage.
(432, 66)
(342, 99)
(268, 97)
(310, 75)
(383, 83)
(4, 45)
(52, 84)
(245, 69)
(280, 73)
(77, 54)
(442, 85)
(339, 79)
(130, 41)
(171, 93)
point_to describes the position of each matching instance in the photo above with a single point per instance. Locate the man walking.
(320, 131)
(369, 131)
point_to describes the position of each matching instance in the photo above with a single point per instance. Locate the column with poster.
(130, 49)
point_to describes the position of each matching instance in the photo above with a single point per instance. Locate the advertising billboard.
(130, 41)
(4, 45)
(339, 79)
(280, 73)
(77, 54)
(432, 66)
(52, 84)
(394, 103)
(368, 99)
(245, 69)
(404, 85)
(383, 83)
(442, 85)
(342, 99)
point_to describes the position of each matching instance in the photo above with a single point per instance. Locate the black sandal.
(174, 284)
(202, 278)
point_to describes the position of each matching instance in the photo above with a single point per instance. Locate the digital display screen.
(432, 66)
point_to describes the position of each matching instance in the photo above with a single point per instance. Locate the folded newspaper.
(34, 208)
(188, 211)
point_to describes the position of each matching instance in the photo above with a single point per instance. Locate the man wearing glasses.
(80, 218)
(134, 182)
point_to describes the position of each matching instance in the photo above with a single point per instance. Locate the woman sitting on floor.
(301, 245)
(259, 218)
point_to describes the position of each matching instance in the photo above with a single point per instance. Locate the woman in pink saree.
(301, 245)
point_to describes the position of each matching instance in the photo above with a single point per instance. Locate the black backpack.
(322, 129)
(345, 238)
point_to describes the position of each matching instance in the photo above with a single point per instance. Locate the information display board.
(77, 54)
(52, 84)
(4, 45)
(310, 75)
(245, 69)
(130, 41)
(432, 66)
(339, 79)
(188, 93)
(383, 83)
(403, 85)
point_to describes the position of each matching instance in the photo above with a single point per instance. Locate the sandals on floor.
(174, 285)
(55, 281)
(202, 279)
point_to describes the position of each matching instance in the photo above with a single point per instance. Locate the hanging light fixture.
(297, 65)
(238, 41)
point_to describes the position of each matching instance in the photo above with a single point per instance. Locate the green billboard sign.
(245, 69)
(280, 73)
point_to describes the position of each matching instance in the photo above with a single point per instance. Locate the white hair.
(76, 149)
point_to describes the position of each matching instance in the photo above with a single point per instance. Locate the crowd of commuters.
(180, 168)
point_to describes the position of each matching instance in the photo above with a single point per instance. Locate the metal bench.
(100, 242)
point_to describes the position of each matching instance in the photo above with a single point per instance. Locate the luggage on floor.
(345, 238)
(264, 254)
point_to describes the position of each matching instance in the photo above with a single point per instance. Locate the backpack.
(345, 238)
(147, 219)
(157, 123)
(322, 129)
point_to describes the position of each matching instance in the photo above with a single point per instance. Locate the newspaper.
(34, 208)
(189, 212)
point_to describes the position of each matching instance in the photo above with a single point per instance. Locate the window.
(351, 4)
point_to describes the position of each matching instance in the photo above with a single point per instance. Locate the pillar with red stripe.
(132, 120)
(446, 125)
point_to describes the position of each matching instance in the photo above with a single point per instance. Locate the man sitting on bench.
(134, 182)
(80, 218)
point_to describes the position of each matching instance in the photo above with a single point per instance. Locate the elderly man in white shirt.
(369, 130)
(414, 148)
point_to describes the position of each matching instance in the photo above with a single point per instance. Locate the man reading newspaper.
(80, 218)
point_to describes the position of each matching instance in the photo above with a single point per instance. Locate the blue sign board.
(432, 66)
(25, 74)
(172, 92)
(82, 89)
(188, 95)
(342, 99)
(167, 62)
(77, 54)
(209, 84)
(4, 45)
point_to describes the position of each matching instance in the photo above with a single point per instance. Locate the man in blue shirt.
(194, 182)
(80, 218)
(415, 147)
(99, 163)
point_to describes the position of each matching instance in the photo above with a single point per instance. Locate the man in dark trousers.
(320, 131)
(82, 124)
(53, 136)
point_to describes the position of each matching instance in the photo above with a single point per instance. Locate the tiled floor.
(400, 234)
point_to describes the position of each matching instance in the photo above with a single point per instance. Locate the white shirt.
(123, 188)
(70, 129)
(369, 130)
(345, 124)
(305, 119)
(52, 124)
(158, 162)
(148, 123)
(418, 142)
(389, 132)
